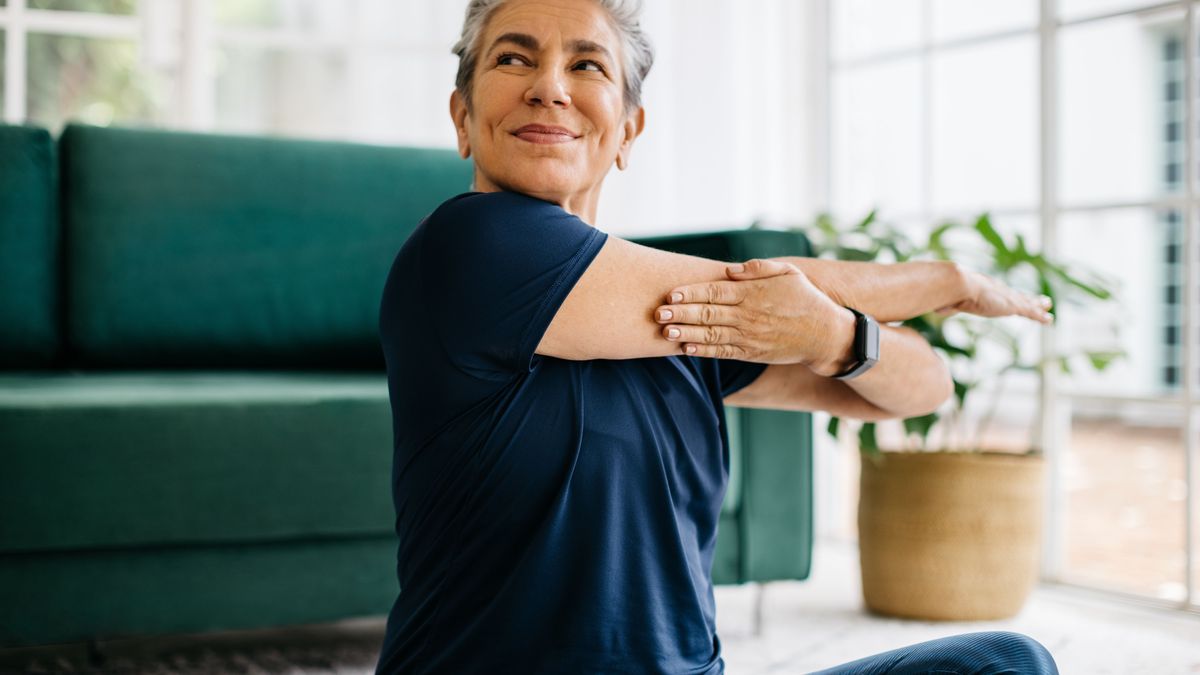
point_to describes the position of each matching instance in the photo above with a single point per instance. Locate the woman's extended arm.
(887, 291)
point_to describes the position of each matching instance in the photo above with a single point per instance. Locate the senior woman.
(557, 392)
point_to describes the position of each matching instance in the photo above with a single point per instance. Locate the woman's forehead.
(567, 21)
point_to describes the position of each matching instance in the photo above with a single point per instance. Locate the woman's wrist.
(840, 353)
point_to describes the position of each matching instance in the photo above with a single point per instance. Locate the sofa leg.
(95, 656)
(759, 590)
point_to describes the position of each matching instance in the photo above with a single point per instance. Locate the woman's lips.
(541, 134)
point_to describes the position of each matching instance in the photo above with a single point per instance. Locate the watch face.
(871, 348)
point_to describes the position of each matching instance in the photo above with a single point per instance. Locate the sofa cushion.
(196, 250)
(103, 460)
(136, 459)
(29, 241)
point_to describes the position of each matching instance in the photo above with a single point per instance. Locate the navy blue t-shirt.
(554, 516)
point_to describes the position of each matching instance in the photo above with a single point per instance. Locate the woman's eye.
(594, 66)
(509, 59)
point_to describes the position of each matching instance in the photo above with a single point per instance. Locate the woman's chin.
(546, 186)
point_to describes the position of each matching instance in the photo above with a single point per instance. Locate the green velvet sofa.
(194, 420)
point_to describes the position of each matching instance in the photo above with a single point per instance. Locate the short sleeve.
(495, 268)
(735, 374)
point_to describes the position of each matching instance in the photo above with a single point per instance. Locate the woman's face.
(547, 116)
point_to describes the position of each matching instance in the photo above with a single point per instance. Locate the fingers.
(712, 292)
(703, 327)
(758, 268)
(716, 351)
(698, 314)
(706, 335)
(1037, 310)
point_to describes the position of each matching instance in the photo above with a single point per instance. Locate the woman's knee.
(1016, 653)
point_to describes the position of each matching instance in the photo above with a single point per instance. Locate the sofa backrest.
(29, 249)
(201, 250)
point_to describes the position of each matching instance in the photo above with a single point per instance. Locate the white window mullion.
(14, 63)
(1189, 299)
(926, 110)
(1055, 416)
(85, 24)
(197, 78)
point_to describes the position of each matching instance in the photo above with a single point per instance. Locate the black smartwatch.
(866, 345)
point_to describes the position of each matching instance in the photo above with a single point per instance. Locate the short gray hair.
(639, 53)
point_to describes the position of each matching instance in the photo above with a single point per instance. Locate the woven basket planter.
(950, 535)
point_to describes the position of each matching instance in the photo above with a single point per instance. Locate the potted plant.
(953, 531)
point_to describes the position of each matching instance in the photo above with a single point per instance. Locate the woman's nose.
(549, 88)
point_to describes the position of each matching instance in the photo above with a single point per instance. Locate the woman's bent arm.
(609, 314)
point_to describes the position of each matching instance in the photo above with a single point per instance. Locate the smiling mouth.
(544, 135)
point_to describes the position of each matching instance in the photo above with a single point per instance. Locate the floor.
(806, 626)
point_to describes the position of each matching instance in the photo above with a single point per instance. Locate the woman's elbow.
(935, 392)
(941, 391)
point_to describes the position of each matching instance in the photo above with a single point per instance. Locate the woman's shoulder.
(490, 206)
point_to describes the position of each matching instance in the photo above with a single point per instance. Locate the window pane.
(286, 92)
(90, 80)
(877, 139)
(1123, 475)
(1195, 480)
(1074, 9)
(953, 19)
(862, 27)
(105, 6)
(1139, 250)
(1120, 102)
(382, 84)
(325, 17)
(985, 126)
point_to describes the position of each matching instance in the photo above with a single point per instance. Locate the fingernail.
(677, 297)
(664, 314)
(737, 269)
(673, 333)
(691, 349)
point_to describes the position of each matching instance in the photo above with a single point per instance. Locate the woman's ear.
(458, 113)
(634, 123)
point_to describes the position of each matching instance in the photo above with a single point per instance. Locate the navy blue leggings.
(986, 653)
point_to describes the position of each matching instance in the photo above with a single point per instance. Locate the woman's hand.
(772, 313)
(987, 296)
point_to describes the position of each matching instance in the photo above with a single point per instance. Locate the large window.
(1068, 121)
(319, 68)
(381, 71)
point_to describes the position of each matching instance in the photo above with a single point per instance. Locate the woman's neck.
(580, 204)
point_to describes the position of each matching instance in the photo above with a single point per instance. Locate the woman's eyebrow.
(531, 43)
(520, 39)
(589, 47)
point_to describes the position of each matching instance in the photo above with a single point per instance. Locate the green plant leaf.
(866, 439)
(833, 426)
(855, 254)
(1096, 291)
(921, 425)
(1003, 256)
(866, 221)
(1101, 360)
(935, 244)
(960, 391)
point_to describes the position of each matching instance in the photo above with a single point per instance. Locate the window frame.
(1055, 400)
